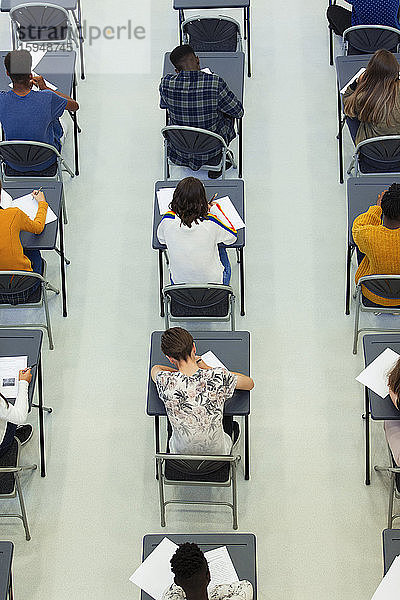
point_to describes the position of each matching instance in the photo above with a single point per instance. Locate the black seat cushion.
(49, 172)
(176, 471)
(8, 459)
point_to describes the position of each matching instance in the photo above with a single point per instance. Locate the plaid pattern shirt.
(198, 99)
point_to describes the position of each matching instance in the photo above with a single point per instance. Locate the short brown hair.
(394, 381)
(177, 343)
(19, 65)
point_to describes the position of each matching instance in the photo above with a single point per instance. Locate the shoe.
(216, 174)
(235, 433)
(24, 433)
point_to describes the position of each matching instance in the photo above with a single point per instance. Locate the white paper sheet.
(356, 76)
(5, 199)
(9, 373)
(230, 211)
(211, 360)
(389, 587)
(154, 575)
(375, 376)
(221, 567)
(207, 70)
(37, 56)
(29, 205)
(164, 197)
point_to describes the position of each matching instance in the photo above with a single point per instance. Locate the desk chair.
(10, 485)
(32, 154)
(47, 24)
(218, 34)
(366, 39)
(173, 469)
(386, 286)
(193, 140)
(210, 302)
(377, 156)
(394, 491)
(12, 282)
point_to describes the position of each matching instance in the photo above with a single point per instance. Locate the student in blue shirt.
(364, 12)
(32, 114)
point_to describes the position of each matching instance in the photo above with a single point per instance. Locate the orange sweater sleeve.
(37, 225)
(364, 225)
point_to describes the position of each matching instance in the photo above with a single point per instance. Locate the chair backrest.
(366, 39)
(40, 22)
(218, 34)
(377, 155)
(198, 301)
(26, 154)
(192, 140)
(384, 286)
(207, 469)
(18, 282)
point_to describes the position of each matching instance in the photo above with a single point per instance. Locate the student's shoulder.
(168, 216)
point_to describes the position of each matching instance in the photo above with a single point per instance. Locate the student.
(192, 576)
(197, 99)
(379, 240)
(192, 230)
(14, 415)
(392, 428)
(373, 101)
(13, 257)
(194, 395)
(32, 115)
(364, 12)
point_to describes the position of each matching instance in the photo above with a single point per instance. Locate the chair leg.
(63, 207)
(232, 313)
(356, 321)
(46, 310)
(234, 497)
(22, 505)
(391, 498)
(161, 492)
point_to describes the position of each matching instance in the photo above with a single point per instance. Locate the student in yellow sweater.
(12, 255)
(377, 235)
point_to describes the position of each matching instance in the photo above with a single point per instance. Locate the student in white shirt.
(12, 415)
(192, 577)
(392, 428)
(192, 230)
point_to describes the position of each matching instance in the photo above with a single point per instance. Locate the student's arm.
(363, 226)
(227, 232)
(156, 369)
(163, 104)
(228, 103)
(37, 225)
(72, 105)
(18, 412)
(243, 381)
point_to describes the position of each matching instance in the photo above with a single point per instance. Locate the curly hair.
(394, 381)
(188, 561)
(189, 201)
(391, 202)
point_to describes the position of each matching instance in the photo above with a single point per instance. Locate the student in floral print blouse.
(194, 395)
(192, 577)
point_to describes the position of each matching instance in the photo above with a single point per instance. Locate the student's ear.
(198, 60)
(194, 348)
(172, 361)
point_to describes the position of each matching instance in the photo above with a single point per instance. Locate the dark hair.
(189, 201)
(394, 381)
(177, 343)
(390, 202)
(179, 56)
(189, 566)
(19, 65)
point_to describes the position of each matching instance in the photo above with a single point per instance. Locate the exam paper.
(230, 212)
(28, 204)
(9, 374)
(356, 76)
(37, 56)
(375, 376)
(221, 567)
(154, 575)
(164, 197)
(389, 587)
(211, 360)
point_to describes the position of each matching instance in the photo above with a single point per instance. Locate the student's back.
(375, 12)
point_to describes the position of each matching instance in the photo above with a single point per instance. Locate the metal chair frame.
(168, 318)
(162, 458)
(226, 152)
(393, 493)
(185, 37)
(358, 27)
(355, 162)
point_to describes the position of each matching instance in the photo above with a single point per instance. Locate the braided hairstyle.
(189, 201)
(391, 202)
(189, 566)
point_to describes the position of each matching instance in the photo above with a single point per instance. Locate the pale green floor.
(318, 527)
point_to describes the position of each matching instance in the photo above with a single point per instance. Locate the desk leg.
(10, 586)
(348, 275)
(246, 448)
(242, 283)
(367, 440)
(81, 40)
(340, 137)
(74, 118)
(62, 263)
(240, 136)
(181, 19)
(248, 43)
(41, 421)
(330, 46)
(157, 436)
(161, 281)
(245, 23)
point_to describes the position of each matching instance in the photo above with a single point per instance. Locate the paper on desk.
(356, 76)
(164, 197)
(230, 212)
(207, 70)
(9, 374)
(211, 360)
(154, 575)
(375, 376)
(221, 567)
(389, 587)
(28, 204)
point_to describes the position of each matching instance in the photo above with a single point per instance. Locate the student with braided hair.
(377, 235)
(392, 427)
(192, 576)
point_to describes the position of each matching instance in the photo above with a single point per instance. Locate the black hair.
(179, 56)
(391, 202)
(189, 565)
(19, 65)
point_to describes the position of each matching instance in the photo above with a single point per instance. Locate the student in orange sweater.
(379, 240)
(12, 255)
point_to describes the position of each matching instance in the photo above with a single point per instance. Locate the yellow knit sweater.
(381, 247)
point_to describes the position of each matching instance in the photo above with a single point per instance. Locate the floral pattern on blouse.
(240, 590)
(195, 408)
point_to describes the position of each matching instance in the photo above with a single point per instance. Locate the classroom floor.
(318, 526)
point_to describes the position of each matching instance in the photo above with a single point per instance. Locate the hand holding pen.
(212, 201)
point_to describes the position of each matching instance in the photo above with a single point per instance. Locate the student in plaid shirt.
(197, 99)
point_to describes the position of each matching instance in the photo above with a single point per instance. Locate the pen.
(29, 368)
(213, 198)
(37, 191)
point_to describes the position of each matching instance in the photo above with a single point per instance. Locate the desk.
(229, 66)
(23, 342)
(346, 68)
(6, 556)
(380, 409)
(233, 349)
(362, 192)
(234, 188)
(241, 547)
(47, 240)
(182, 5)
(391, 547)
(58, 68)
